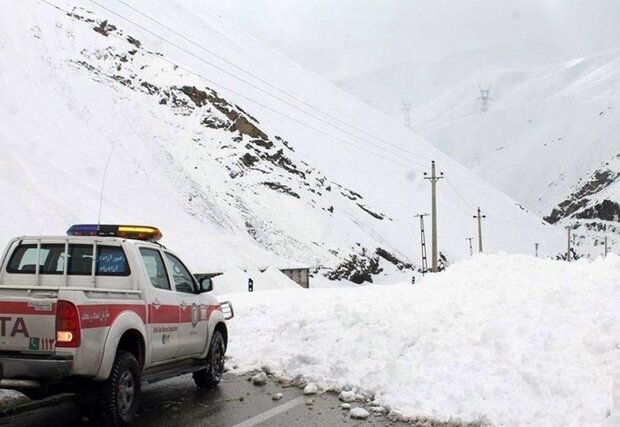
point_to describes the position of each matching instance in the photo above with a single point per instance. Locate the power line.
(293, 119)
(249, 73)
(458, 194)
(499, 221)
(515, 224)
(252, 84)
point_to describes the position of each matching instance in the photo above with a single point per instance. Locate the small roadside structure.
(300, 275)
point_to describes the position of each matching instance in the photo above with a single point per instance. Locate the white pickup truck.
(102, 310)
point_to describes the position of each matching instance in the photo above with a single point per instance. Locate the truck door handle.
(156, 303)
(184, 304)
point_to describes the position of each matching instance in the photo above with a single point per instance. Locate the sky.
(343, 38)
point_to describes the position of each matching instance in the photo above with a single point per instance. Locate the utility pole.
(407, 113)
(568, 249)
(479, 218)
(433, 179)
(484, 99)
(423, 243)
(536, 249)
(606, 247)
(471, 247)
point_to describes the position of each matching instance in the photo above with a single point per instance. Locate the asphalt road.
(235, 403)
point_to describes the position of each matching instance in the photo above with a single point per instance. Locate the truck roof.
(99, 239)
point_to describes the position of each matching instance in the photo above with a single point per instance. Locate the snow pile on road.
(518, 340)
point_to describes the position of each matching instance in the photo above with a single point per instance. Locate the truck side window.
(183, 280)
(24, 259)
(111, 260)
(155, 268)
(80, 260)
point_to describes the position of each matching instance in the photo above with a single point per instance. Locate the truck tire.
(211, 376)
(121, 391)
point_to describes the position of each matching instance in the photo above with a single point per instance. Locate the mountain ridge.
(235, 183)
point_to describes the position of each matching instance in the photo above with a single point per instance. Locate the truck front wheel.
(212, 375)
(121, 391)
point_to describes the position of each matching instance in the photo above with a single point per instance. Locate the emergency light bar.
(137, 232)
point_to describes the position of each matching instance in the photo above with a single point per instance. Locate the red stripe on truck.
(103, 315)
(28, 307)
(187, 313)
(211, 308)
(163, 313)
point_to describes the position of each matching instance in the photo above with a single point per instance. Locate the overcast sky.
(341, 38)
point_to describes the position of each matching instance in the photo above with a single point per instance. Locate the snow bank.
(520, 340)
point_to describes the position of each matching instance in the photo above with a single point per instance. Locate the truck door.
(193, 325)
(163, 308)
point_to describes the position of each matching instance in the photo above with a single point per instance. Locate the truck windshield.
(111, 260)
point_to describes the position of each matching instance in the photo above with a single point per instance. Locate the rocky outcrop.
(358, 268)
(281, 188)
(574, 206)
(388, 256)
(606, 210)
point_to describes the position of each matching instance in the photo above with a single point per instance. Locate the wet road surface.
(235, 403)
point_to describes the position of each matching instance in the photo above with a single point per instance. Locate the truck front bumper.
(22, 367)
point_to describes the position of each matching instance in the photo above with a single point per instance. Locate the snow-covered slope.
(550, 139)
(232, 175)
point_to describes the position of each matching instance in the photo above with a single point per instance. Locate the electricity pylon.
(407, 113)
(484, 99)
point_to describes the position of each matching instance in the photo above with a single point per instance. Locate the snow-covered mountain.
(550, 140)
(419, 82)
(238, 154)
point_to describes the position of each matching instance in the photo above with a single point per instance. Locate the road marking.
(271, 413)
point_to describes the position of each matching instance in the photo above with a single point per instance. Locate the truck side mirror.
(206, 285)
